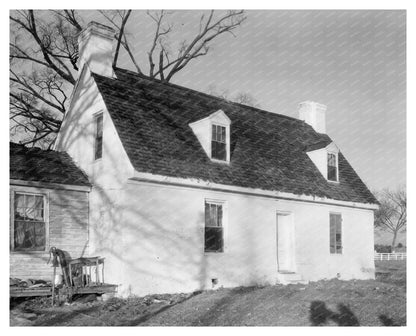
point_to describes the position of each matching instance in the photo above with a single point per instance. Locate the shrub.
(382, 248)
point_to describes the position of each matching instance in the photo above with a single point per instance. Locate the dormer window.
(325, 158)
(219, 143)
(332, 167)
(213, 133)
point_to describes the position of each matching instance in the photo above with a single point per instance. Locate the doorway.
(285, 239)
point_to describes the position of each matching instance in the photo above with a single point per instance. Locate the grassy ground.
(334, 302)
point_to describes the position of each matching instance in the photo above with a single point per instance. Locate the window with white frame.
(335, 233)
(29, 225)
(332, 167)
(98, 141)
(214, 230)
(219, 143)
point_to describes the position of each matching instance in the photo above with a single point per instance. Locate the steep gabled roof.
(38, 165)
(267, 149)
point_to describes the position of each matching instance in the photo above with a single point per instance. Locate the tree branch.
(120, 36)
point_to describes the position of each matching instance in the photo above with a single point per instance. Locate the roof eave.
(50, 185)
(201, 184)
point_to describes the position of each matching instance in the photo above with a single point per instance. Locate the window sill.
(220, 161)
(335, 182)
(29, 252)
(213, 252)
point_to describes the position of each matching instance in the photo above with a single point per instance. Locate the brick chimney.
(313, 114)
(96, 44)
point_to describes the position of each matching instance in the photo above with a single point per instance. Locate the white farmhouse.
(191, 192)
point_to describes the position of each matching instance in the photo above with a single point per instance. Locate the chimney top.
(95, 44)
(94, 27)
(313, 114)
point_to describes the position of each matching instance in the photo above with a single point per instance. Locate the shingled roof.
(38, 165)
(268, 150)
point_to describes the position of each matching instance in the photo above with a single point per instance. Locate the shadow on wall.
(144, 239)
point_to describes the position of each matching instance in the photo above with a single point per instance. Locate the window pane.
(213, 215)
(338, 242)
(219, 215)
(214, 208)
(19, 233)
(29, 201)
(38, 215)
(19, 213)
(219, 150)
(332, 160)
(39, 202)
(218, 133)
(214, 132)
(206, 213)
(331, 236)
(332, 173)
(29, 236)
(335, 234)
(332, 167)
(213, 239)
(30, 214)
(19, 200)
(39, 235)
(223, 134)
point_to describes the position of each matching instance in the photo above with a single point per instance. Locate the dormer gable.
(213, 133)
(325, 159)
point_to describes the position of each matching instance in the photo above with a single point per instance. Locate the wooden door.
(285, 244)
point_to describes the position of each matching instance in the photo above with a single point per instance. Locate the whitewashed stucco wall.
(77, 136)
(107, 175)
(154, 240)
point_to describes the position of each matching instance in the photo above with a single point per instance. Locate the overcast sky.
(352, 61)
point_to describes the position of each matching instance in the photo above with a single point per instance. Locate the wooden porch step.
(286, 277)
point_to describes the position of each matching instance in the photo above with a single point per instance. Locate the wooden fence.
(390, 256)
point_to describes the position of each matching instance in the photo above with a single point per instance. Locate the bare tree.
(241, 97)
(43, 58)
(44, 54)
(392, 214)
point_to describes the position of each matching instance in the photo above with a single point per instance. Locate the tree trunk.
(393, 243)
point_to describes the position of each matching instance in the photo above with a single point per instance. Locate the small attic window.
(332, 167)
(98, 141)
(219, 143)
